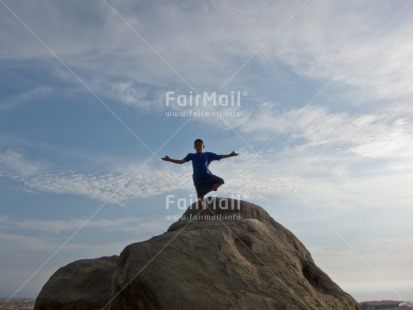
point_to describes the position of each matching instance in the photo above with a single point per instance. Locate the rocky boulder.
(83, 284)
(238, 258)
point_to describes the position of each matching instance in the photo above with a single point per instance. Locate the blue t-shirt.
(201, 161)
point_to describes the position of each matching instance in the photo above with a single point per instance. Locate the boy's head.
(199, 145)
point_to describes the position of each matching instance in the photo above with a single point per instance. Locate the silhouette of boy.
(203, 178)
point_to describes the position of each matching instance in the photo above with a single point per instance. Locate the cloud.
(326, 152)
(112, 188)
(36, 240)
(57, 227)
(16, 164)
(380, 269)
(127, 181)
(254, 175)
(352, 44)
(16, 242)
(12, 102)
(146, 97)
(346, 43)
(373, 135)
(324, 42)
(328, 160)
(397, 142)
(123, 50)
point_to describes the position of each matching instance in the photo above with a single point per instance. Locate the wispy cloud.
(384, 272)
(57, 227)
(16, 164)
(122, 184)
(347, 141)
(11, 243)
(368, 51)
(109, 187)
(396, 142)
(373, 135)
(131, 180)
(12, 102)
(325, 42)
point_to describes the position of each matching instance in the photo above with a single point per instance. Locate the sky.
(316, 96)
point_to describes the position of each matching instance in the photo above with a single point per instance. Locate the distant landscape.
(383, 305)
(28, 304)
(17, 303)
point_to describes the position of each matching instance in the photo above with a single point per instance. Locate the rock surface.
(240, 258)
(83, 284)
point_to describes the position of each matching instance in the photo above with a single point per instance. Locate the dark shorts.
(204, 183)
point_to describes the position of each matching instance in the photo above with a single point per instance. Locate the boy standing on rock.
(204, 180)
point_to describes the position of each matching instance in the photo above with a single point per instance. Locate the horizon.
(315, 97)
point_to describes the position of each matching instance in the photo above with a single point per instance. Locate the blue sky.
(323, 128)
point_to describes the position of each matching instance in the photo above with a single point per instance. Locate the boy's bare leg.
(215, 186)
(201, 208)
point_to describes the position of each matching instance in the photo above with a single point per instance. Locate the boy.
(204, 180)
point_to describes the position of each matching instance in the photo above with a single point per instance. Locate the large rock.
(83, 284)
(239, 258)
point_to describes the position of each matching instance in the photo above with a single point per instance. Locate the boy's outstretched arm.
(230, 154)
(175, 161)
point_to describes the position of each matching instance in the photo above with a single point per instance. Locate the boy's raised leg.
(215, 186)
